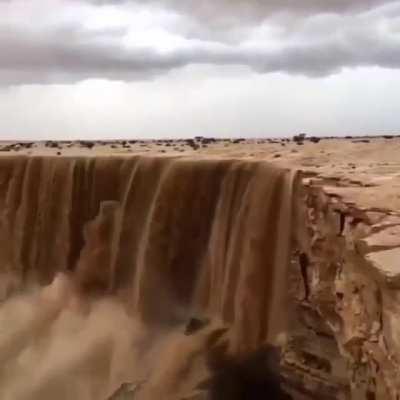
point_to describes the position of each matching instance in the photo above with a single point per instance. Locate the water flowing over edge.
(127, 250)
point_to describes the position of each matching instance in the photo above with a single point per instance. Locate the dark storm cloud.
(71, 53)
(224, 20)
(255, 9)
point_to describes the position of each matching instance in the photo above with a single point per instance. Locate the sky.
(86, 69)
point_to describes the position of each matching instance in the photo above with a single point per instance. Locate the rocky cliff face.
(344, 271)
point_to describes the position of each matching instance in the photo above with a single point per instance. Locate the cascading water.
(103, 260)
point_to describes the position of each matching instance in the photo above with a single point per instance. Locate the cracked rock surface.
(345, 336)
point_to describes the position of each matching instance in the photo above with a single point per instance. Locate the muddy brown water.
(104, 260)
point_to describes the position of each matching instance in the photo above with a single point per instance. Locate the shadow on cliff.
(249, 377)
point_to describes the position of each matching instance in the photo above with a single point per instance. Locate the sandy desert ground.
(362, 170)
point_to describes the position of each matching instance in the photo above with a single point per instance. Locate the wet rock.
(195, 324)
(252, 377)
(127, 391)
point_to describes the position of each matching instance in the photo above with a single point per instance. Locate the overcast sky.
(168, 68)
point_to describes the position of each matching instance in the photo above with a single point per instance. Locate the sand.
(370, 163)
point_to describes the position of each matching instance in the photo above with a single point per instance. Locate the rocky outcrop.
(345, 332)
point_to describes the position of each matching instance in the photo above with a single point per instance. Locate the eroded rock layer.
(345, 330)
(170, 237)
